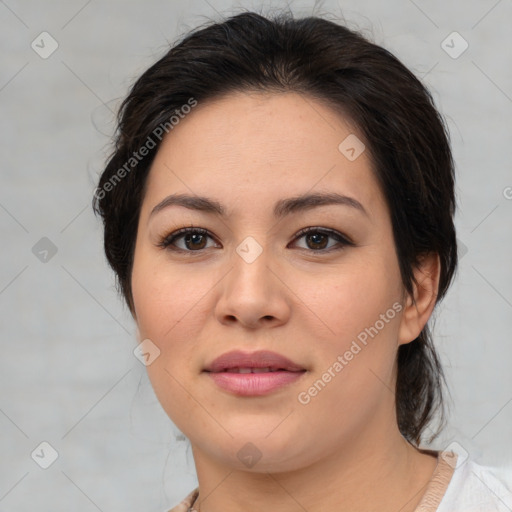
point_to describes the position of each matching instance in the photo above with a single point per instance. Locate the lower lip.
(254, 384)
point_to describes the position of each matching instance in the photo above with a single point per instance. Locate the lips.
(254, 374)
(262, 361)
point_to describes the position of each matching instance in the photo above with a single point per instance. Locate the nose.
(254, 294)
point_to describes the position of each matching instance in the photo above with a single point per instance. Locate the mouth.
(253, 374)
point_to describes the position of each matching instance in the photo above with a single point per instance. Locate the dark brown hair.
(395, 114)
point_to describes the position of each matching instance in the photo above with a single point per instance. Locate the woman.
(279, 214)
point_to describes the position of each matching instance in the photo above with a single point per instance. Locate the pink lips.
(225, 372)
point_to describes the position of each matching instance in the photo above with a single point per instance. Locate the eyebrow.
(282, 208)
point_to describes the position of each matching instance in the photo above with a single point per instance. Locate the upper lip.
(259, 359)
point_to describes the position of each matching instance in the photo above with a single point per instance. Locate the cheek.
(172, 305)
(166, 297)
(354, 366)
(168, 308)
(352, 298)
(360, 309)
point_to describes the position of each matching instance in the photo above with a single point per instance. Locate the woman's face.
(254, 283)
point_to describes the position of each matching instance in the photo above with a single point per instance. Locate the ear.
(418, 308)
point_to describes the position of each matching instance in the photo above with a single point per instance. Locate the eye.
(195, 239)
(317, 239)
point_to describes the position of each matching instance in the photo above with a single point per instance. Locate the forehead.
(254, 147)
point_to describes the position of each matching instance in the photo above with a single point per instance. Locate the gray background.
(67, 373)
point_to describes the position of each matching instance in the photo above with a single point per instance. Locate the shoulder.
(478, 488)
(186, 503)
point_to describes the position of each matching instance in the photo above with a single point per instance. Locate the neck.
(376, 469)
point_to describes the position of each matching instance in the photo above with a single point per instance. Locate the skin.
(343, 450)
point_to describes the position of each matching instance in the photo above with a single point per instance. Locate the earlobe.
(417, 309)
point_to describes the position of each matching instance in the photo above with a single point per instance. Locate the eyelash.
(167, 241)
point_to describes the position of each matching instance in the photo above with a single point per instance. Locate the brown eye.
(317, 239)
(194, 240)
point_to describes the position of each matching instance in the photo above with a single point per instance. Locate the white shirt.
(477, 488)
